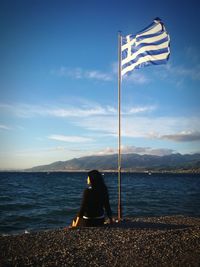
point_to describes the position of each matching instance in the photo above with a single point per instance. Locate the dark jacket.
(94, 203)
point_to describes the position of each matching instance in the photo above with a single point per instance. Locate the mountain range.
(130, 162)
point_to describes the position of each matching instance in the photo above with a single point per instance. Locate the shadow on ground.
(148, 225)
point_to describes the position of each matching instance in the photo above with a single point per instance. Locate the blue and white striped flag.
(147, 47)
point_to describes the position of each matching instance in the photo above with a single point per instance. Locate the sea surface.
(38, 201)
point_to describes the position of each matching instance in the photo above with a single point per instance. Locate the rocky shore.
(158, 241)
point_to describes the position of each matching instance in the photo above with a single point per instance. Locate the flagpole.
(119, 128)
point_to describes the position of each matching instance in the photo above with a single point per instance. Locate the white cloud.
(137, 78)
(193, 72)
(160, 151)
(104, 120)
(4, 127)
(139, 109)
(183, 137)
(100, 124)
(159, 126)
(87, 110)
(106, 151)
(57, 148)
(63, 71)
(140, 127)
(21, 110)
(27, 111)
(98, 75)
(79, 73)
(79, 112)
(137, 150)
(69, 139)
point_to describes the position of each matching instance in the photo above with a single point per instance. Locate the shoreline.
(109, 171)
(144, 241)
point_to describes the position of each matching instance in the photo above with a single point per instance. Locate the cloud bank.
(79, 73)
(183, 137)
(94, 109)
(137, 150)
(4, 127)
(69, 139)
(137, 122)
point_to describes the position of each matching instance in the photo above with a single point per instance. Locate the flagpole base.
(119, 214)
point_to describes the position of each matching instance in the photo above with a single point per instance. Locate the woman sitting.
(94, 203)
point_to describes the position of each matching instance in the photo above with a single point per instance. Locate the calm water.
(32, 201)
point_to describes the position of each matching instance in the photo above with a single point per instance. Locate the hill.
(130, 162)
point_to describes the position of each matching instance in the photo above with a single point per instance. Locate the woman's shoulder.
(87, 190)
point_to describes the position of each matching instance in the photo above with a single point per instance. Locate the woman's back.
(95, 202)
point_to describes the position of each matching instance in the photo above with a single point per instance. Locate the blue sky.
(58, 82)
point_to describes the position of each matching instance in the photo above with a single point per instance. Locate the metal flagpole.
(119, 128)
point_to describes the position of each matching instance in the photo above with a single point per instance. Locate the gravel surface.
(150, 241)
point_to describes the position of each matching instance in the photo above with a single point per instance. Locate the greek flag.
(147, 47)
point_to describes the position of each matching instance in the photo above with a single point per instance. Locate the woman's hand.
(75, 223)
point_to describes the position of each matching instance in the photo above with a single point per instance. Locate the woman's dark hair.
(96, 180)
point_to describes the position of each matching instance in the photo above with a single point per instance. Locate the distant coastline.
(177, 171)
(133, 163)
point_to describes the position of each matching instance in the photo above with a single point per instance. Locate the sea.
(31, 201)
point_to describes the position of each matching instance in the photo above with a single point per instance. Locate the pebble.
(148, 241)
